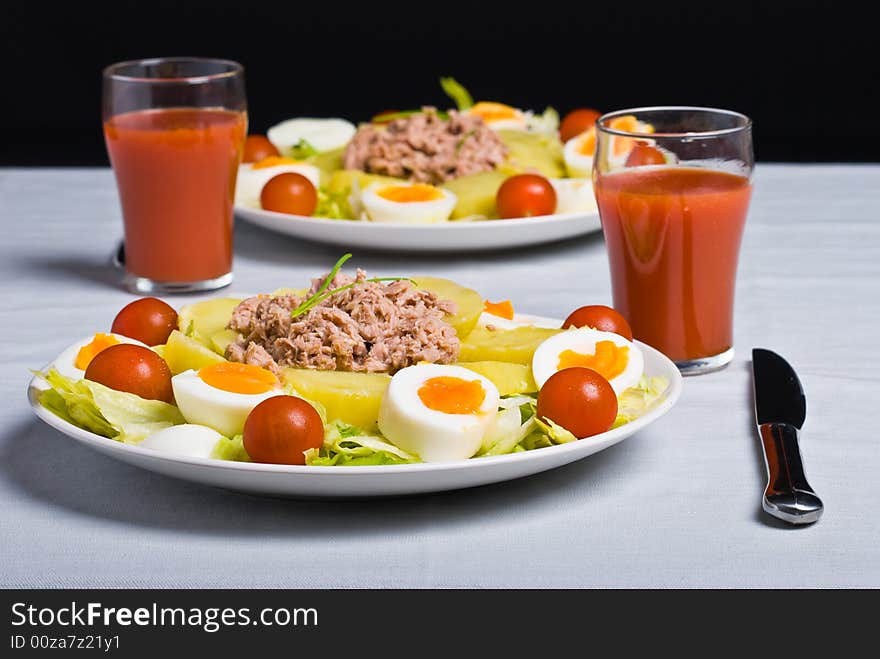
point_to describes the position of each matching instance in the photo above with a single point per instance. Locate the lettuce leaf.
(347, 445)
(459, 95)
(231, 449)
(637, 400)
(115, 414)
(554, 432)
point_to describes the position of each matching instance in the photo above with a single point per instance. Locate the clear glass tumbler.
(175, 130)
(673, 185)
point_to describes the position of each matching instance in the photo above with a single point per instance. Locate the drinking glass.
(175, 129)
(673, 186)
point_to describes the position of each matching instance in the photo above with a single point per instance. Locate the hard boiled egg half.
(574, 195)
(498, 116)
(320, 134)
(407, 203)
(579, 150)
(187, 440)
(438, 412)
(222, 395)
(615, 358)
(253, 176)
(74, 361)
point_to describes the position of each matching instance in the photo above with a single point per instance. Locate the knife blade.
(780, 411)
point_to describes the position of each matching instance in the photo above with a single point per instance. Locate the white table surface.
(675, 506)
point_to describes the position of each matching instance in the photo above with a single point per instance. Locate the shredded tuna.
(373, 326)
(425, 148)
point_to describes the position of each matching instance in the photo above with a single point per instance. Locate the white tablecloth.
(676, 505)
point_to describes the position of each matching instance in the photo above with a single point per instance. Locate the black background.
(805, 71)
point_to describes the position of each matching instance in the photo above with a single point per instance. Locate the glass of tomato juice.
(673, 186)
(175, 130)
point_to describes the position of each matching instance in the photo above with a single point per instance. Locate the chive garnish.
(322, 293)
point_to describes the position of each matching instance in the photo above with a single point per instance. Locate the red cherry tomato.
(577, 122)
(599, 317)
(257, 147)
(280, 428)
(289, 193)
(578, 399)
(525, 195)
(644, 154)
(131, 368)
(149, 320)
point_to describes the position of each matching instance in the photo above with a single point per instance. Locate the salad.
(477, 161)
(351, 370)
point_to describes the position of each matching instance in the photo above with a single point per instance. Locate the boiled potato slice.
(476, 194)
(349, 397)
(504, 345)
(510, 378)
(534, 152)
(201, 320)
(182, 353)
(221, 339)
(469, 302)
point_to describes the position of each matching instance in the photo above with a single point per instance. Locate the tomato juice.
(673, 236)
(175, 169)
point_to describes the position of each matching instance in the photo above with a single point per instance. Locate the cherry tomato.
(280, 428)
(257, 147)
(525, 195)
(132, 368)
(578, 399)
(289, 193)
(577, 122)
(149, 320)
(644, 154)
(599, 317)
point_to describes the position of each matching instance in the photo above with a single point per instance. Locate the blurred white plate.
(385, 480)
(448, 236)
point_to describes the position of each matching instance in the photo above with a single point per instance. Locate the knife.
(780, 410)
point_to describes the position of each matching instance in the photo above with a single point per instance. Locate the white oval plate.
(448, 236)
(373, 481)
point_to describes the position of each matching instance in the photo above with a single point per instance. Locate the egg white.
(322, 134)
(583, 340)
(64, 363)
(380, 209)
(574, 195)
(518, 320)
(187, 440)
(577, 164)
(250, 182)
(224, 411)
(432, 435)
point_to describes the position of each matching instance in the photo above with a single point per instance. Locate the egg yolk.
(238, 378)
(87, 353)
(490, 112)
(408, 193)
(609, 360)
(586, 144)
(452, 395)
(273, 161)
(501, 309)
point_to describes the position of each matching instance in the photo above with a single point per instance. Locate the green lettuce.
(637, 400)
(459, 95)
(115, 414)
(347, 445)
(231, 449)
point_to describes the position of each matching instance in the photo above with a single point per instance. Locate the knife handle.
(788, 495)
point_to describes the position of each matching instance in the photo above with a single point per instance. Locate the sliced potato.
(476, 194)
(504, 345)
(182, 353)
(508, 377)
(349, 397)
(468, 301)
(221, 339)
(201, 320)
(534, 152)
